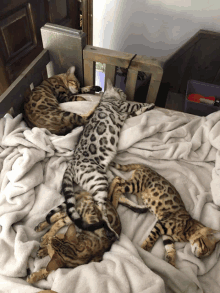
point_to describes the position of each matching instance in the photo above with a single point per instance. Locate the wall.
(156, 28)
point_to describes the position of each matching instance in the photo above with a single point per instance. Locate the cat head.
(203, 241)
(72, 82)
(73, 249)
(113, 92)
(77, 248)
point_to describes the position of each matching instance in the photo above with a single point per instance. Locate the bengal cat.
(74, 248)
(41, 107)
(161, 198)
(96, 148)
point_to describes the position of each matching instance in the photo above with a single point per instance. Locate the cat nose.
(110, 234)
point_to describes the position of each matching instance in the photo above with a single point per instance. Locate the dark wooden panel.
(4, 78)
(17, 34)
(63, 12)
(58, 10)
(175, 71)
(197, 59)
(90, 22)
(73, 9)
(204, 62)
(20, 38)
(14, 95)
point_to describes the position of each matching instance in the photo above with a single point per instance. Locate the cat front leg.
(136, 109)
(90, 88)
(114, 191)
(37, 276)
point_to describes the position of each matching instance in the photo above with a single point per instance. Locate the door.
(20, 38)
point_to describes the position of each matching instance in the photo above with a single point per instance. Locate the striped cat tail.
(126, 168)
(68, 189)
(55, 214)
(57, 209)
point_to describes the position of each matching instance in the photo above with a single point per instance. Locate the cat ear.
(71, 70)
(60, 236)
(54, 264)
(71, 234)
(109, 85)
(215, 233)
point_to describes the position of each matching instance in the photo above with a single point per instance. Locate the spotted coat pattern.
(159, 196)
(75, 247)
(41, 107)
(95, 150)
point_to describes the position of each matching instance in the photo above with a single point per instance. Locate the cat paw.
(41, 226)
(30, 279)
(170, 260)
(44, 240)
(97, 88)
(42, 252)
(38, 228)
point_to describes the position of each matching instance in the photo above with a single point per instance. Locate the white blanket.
(183, 148)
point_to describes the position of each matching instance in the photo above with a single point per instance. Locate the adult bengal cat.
(161, 198)
(74, 248)
(41, 107)
(96, 148)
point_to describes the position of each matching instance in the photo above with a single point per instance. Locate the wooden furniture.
(197, 59)
(86, 9)
(35, 72)
(20, 37)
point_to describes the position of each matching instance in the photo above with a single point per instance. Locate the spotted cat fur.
(161, 198)
(74, 248)
(96, 148)
(41, 107)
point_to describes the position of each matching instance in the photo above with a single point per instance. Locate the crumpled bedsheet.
(183, 148)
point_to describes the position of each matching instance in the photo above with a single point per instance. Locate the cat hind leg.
(152, 238)
(170, 251)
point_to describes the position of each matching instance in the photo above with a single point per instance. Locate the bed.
(183, 148)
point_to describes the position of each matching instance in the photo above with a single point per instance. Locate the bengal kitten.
(161, 198)
(74, 248)
(41, 107)
(96, 148)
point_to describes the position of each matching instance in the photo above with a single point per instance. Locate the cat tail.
(68, 190)
(126, 168)
(57, 209)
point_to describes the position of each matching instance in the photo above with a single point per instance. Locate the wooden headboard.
(112, 59)
(68, 49)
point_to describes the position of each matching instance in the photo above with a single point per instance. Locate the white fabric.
(183, 148)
